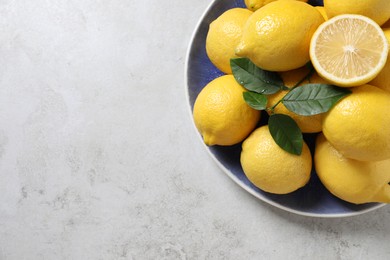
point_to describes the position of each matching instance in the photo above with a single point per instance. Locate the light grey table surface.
(99, 158)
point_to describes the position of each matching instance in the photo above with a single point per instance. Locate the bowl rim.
(227, 171)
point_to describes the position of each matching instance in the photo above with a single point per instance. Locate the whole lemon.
(221, 114)
(382, 80)
(351, 180)
(272, 169)
(253, 5)
(277, 36)
(223, 36)
(359, 124)
(307, 124)
(377, 10)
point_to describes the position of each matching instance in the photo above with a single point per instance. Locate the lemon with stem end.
(220, 113)
(277, 36)
(271, 168)
(351, 180)
(223, 36)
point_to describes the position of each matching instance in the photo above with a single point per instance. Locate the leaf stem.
(306, 77)
(277, 103)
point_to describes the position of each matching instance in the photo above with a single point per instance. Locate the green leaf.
(255, 100)
(312, 99)
(286, 133)
(255, 79)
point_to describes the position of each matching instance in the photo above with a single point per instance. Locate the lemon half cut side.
(349, 50)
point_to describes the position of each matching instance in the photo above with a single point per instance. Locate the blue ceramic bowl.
(313, 199)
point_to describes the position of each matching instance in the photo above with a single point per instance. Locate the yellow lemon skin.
(351, 180)
(377, 10)
(223, 36)
(382, 80)
(220, 113)
(322, 10)
(253, 5)
(272, 169)
(307, 124)
(359, 125)
(277, 36)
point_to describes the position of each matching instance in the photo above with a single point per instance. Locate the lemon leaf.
(255, 100)
(286, 133)
(312, 99)
(255, 79)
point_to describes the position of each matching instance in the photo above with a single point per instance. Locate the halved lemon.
(349, 50)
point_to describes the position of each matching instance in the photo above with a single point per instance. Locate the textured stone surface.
(99, 158)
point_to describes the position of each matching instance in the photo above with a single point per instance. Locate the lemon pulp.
(349, 50)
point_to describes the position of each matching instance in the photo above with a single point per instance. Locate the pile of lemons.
(352, 153)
